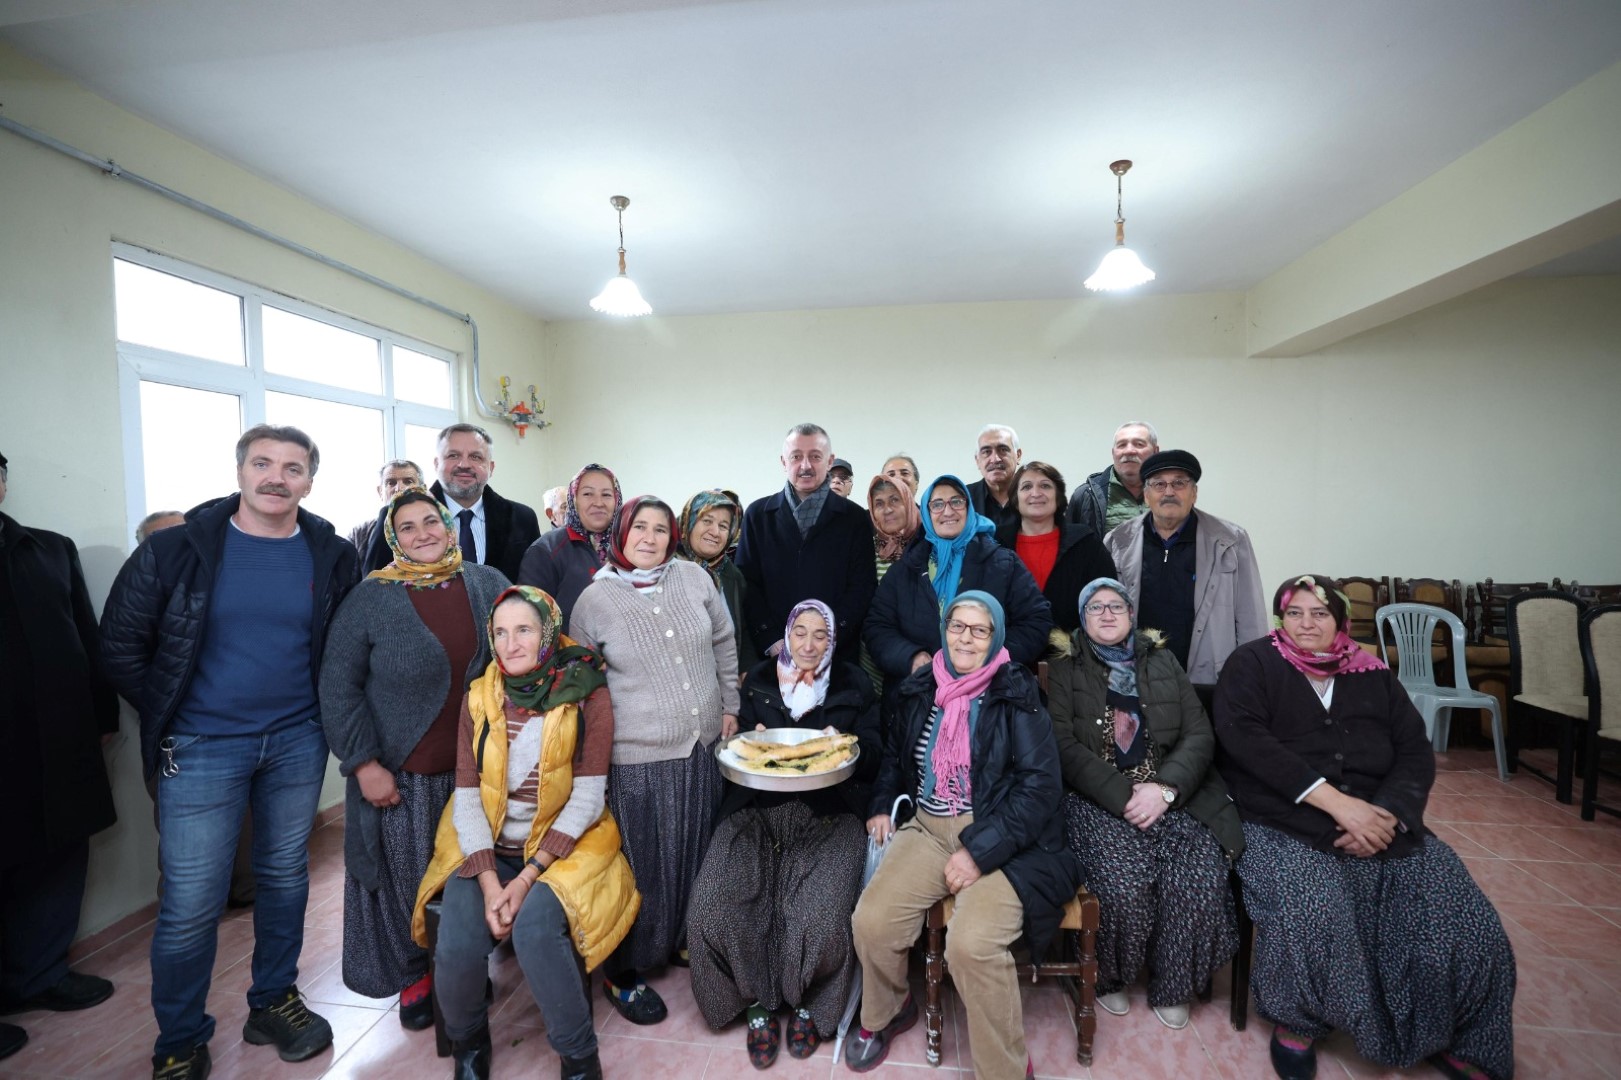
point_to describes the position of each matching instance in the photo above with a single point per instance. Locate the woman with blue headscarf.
(1147, 814)
(974, 749)
(959, 553)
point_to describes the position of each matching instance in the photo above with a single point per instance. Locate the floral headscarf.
(1344, 656)
(618, 564)
(697, 506)
(406, 571)
(602, 541)
(801, 690)
(560, 675)
(891, 546)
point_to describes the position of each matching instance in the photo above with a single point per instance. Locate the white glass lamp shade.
(1120, 269)
(621, 297)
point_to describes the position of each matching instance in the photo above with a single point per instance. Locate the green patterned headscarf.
(560, 675)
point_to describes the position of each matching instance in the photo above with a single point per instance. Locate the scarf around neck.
(619, 565)
(956, 695)
(1125, 707)
(564, 672)
(602, 541)
(948, 554)
(1343, 657)
(803, 690)
(406, 571)
(891, 546)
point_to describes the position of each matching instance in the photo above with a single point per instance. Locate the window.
(203, 357)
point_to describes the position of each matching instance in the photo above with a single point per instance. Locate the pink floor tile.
(1565, 994)
(1586, 841)
(1502, 880)
(1562, 1055)
(1568, 930)
(1512, 842)
(1583, 883)
(646, 1059)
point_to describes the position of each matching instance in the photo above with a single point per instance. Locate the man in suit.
(56, 710)
(490, 529)
(803, 543)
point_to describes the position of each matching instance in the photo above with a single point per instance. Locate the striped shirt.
(920, 754)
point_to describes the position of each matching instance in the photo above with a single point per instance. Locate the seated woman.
(974, 747)
(672, 667)
(1148, 816)
(399, 656)
(561, 563)
(526, 849)
(896, 526)
(902, 629)
(1062, 556)
(710, 524)
(1366, 921)
(769, 921)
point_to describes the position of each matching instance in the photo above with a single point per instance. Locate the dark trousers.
(39, 916)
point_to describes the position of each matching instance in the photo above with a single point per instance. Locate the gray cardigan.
(672, 660)
(383, 678)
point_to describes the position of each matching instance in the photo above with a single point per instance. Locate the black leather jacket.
(157, 612)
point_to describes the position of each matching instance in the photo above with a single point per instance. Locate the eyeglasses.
(955, 503)
(1097, 607)
(1181, 483)
(958, 629)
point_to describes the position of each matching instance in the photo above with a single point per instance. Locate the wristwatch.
(1169, 792)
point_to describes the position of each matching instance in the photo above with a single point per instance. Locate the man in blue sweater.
(214, 630)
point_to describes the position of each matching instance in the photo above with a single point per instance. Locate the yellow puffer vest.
(594, 884)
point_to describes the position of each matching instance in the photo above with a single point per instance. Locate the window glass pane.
(350, 439)
(424, 379)
(167, 312)
(188, 444)
(421, 444)
(320, 352)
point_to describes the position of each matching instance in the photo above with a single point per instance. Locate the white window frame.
(249, 382)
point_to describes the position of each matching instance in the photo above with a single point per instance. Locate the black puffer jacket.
(905, 616)
(850, 706)
(1082, 559)
(1013, 770)
(1077, 694)
(157, 612)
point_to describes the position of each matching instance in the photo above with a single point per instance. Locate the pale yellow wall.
(1476, 438)
(59, 421)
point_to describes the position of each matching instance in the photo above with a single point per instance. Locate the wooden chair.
(1600, 631)
(1077, 967)
(1595, 594)
(1487, 617)
(1545, 677)
(1240, 1005)
(1366, 596)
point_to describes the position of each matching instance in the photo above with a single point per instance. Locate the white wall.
(59, 421)
(1477, 438)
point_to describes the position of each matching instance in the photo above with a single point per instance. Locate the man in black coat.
(997, 456)
(56, 711)
(491, 530)
(806, 543)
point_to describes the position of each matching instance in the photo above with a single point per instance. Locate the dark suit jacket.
(55, 705)
(980, 493)
(509, 528)
(834, 563)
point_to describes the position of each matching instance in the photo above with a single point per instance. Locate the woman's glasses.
(957, 502)
(1097, 607)
(958, 629)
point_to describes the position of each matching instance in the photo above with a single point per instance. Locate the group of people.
(527, 724)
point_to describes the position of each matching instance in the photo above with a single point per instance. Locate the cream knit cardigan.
(672, 660)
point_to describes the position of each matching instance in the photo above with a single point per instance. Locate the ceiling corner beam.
(1546, 186)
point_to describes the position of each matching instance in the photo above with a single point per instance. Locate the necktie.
(464, 538)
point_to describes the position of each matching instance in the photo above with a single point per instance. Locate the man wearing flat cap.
(1191, 575)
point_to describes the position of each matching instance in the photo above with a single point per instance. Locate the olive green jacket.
(1077, 688)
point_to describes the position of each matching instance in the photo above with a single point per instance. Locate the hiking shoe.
(194, 1066)
(866, 1050)
(295, 1032)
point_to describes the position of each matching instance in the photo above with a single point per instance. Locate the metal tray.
(731, 767)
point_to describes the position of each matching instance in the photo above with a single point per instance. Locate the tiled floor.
(1555, 879)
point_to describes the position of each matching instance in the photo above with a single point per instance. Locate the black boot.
(583, 1068)
(470, 1058)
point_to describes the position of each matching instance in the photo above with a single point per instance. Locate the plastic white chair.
(1413, 628)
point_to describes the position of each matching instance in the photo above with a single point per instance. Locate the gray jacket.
(383, 679)
(1229, 607)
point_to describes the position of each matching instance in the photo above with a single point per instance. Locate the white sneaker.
(1174, 1017)
(1116, 1003)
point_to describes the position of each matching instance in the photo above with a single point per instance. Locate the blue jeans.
(200, 811)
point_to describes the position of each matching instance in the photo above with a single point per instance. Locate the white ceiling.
(825, 153)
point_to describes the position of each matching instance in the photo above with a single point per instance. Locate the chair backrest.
(1595, 594)
(1413, 628)
(1366, 596)
(1490, 613)
(1544, 651)
(1437, 592)
(1601, 655)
